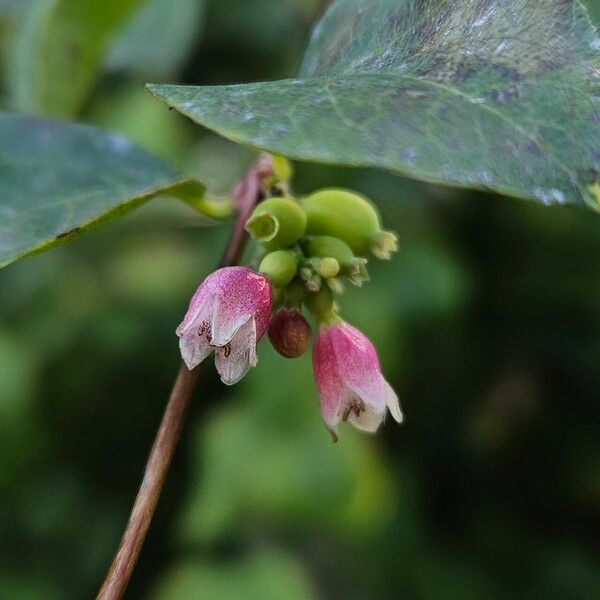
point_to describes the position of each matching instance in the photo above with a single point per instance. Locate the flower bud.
(289, 333)
(282, 168)
(277, 223)
(326, 267)
(336, 286)
(351, 266)
(280, 171)
(312, 280)
(351, 218)
(280, 267)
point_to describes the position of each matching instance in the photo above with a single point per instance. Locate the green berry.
(351, 218)
(277, 223)
(280, 267)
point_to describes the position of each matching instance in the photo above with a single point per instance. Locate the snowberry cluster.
(308, 247)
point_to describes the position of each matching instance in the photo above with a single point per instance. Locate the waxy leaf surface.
(58, 179)
(501, 95)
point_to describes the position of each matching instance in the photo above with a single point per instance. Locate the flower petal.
(201, 308)
(391, 399)
(242, 294)
(193, 332)
(368, 420)
(234, 360)
(358, 366)
(194, 349)
(331, 387)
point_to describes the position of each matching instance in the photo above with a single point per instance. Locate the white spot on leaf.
(549, 197)
(501, 48)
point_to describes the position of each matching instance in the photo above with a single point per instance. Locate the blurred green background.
(487, 323)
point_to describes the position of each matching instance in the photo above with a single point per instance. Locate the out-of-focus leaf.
(290, 473)
(482, 94)
(58, 49)
(267, 575)
(158, 37)
(11, 10)
(131, 112)
(59, 179)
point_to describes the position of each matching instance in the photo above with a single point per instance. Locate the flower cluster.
(308, 248)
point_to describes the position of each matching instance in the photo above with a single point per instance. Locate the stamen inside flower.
(355, 405)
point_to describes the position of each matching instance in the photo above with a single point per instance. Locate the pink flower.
(348, 375)
(228, 313)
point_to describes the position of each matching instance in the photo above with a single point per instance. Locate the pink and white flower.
(228, 313)
(348, 375)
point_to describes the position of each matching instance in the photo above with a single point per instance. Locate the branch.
(248, 191)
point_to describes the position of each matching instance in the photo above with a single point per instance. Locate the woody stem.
(248, 192)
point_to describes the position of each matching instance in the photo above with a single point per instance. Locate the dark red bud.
(289, 333)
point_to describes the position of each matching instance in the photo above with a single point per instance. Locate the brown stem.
(248, 192)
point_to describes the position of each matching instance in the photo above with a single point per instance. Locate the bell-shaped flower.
(348, 376)
(228, 313)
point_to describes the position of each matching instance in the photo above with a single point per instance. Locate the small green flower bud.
(280, 267)
(351, 266)
(282, 168)
(289, 333)
(336, 286)
(277, 223)
(280, 173)
(326, 267)
(350, 217)
(312, 280)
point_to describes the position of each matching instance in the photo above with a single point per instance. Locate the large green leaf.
(59, 179)
(501, 95)
(58, 49)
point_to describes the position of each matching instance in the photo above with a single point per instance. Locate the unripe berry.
(277, 223)
(351, 218)
(289, 332)
(280, 267)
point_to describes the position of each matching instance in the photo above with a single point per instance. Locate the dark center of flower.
(356, 406)
(204, 329)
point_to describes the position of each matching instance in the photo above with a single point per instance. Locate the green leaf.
(267, 574)
(158, 37)
(594, 8)
(58, 49)
(59, 179)
(500, 95)
(287, 457)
